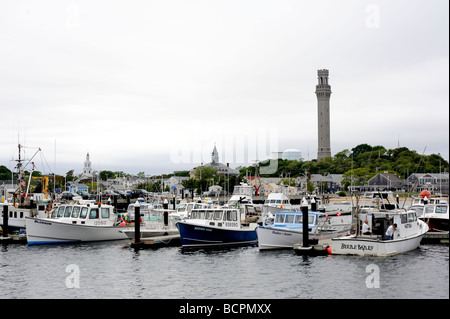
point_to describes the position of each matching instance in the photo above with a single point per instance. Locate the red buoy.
(425, 193)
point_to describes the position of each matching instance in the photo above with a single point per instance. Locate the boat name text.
(280, 233)
(357, 247)
(203, 229)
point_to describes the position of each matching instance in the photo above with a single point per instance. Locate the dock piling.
(137, 224)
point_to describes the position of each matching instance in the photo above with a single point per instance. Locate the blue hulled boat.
(216, 227)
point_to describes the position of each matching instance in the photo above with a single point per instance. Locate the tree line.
(362, 162)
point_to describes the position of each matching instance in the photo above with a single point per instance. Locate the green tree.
(5, 173)
(105, 175)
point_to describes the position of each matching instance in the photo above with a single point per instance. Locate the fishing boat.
(154, 223)
(84, 221)
(215, 228)
(436, 216)
(242, 194)
(276, 202)
(287, 230)
(407, 236)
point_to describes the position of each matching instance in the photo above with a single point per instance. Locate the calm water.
(114, 270)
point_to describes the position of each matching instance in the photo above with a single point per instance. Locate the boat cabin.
(379, 199)
(379, 221)
(88, 214)
(229, 218)
(294, 219)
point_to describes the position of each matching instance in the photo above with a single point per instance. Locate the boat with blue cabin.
(216, 228)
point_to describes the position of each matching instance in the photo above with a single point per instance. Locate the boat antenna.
(415, 183)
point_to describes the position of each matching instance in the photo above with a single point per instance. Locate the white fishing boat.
(153, 223)
(287, 230)
(276, 202)
(407, 235)
(242, 194)
(436, 216)
(183, 210)
(85, 221)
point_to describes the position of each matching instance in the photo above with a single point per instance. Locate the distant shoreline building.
(87, 169)
(323, 92)
(221, 168)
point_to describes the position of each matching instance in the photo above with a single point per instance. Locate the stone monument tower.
(323, 92)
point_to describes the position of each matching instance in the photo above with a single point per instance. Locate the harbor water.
(115, 270)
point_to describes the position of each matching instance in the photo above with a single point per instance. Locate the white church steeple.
(87, 170)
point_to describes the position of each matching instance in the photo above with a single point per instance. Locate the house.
(435, 182)
(385, 180)
(75, 187)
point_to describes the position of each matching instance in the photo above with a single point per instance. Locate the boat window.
(201, 214)
(289, 219)
(211, 214)
(68, 211)
(411, 217)
(279, 218)
(231, 215)
(218, 215)
(76, 211)
(93, 214)
(441, 209)
(53, 212)
(105, 212)
(429, 210)
(84, 212)
(298, 219)
(404, 218)
(310, 219)
(61, 211)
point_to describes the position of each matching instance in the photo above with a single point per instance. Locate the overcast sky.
(152, 85)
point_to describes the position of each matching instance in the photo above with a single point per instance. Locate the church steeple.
(87, 170)
(215, 155)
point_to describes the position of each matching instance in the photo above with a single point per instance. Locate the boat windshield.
(441, 209)
(292, 219)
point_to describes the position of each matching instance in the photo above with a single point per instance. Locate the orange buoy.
(425, 193)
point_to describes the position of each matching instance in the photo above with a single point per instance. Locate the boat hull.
(277, 238)
(351, 245)
(150, 233)
(193, 235)
(47, 231)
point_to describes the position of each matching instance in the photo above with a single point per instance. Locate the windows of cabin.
(93, 214)
(105, 212)
(76, 211)
(68, 211)
(441, 209)
(84, 212)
